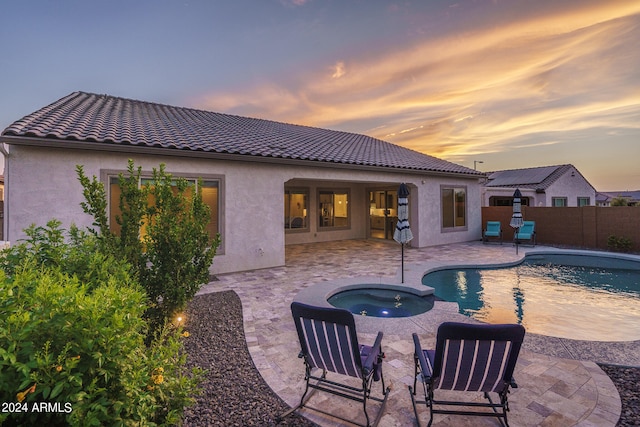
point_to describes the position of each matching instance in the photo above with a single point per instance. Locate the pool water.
(381, 302)
(578, 297)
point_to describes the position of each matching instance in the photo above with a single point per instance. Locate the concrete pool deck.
(559, 381)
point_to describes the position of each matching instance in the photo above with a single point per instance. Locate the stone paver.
(554, 387)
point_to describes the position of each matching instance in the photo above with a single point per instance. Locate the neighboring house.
(632, 197)
(555, 186)
(268, 184)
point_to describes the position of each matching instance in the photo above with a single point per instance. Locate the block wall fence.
(586, 227)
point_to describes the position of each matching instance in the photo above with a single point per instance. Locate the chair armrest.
(425, 367)
(372, 357)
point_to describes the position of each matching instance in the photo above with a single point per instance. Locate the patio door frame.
(383, 212)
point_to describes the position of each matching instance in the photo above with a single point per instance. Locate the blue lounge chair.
(329, 342)
(468, 358)
(526, 233)
(493, 230)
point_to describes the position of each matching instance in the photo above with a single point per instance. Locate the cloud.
(339, 70)
(294, 2)
(474, 92)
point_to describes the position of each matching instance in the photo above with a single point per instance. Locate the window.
(506, 201)
(454, 207)
(334, 208)
(210, 195)
(296, 209)
(584, 201)
(559, 202)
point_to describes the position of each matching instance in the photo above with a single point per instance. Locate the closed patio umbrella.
(516, 217)
(403, 233)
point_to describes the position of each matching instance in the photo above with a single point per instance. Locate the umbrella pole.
(402, 263)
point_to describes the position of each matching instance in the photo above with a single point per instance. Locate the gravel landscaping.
(234, 393)
(627, 381)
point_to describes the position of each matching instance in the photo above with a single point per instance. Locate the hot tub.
(380, 302)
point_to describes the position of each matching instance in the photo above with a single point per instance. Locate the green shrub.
(79, 255)
(162, 234)
(72, 333)
(619, 244)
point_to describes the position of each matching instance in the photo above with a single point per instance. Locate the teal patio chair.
(526, 233)
(493, 230)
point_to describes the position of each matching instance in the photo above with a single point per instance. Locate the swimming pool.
(568, 296)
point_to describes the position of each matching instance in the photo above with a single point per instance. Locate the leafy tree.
(619, 201)
(162, 234)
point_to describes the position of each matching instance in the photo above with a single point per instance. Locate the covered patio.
(559, 381)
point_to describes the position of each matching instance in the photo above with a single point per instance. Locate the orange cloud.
(476, 92)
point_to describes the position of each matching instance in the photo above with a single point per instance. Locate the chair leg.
(306, 395)
(366, 395)
(413, 390)
(334, 388)
(505, 408)
(380, 358)
(365, 390)
(428, 403)
(412, 394)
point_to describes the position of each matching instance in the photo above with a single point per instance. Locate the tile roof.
(104, 119)
(539, 178)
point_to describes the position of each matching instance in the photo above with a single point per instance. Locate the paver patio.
(559, 381)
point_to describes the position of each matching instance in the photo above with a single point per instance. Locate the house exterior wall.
(425, 215)
(42, 185)
(429, 208)
(570, 187)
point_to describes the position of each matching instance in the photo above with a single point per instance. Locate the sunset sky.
(509, 83)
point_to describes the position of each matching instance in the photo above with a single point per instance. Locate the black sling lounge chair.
(329, 342)
(468, 358)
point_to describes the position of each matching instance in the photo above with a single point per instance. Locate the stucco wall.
(571, 187)
(42, 184)
(424, 204)
(430, 232)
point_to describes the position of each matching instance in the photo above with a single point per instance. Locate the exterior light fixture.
(180, 318)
